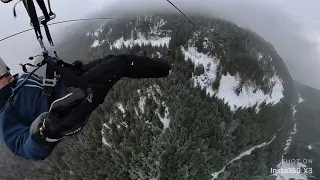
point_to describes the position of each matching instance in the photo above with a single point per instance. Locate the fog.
(292, 26)
(17, 49)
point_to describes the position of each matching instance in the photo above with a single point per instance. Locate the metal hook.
(14, 8)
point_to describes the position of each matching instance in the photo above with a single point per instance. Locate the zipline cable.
(87, 19)
(181, 12)
(66, 21)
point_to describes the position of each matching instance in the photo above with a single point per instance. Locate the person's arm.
(95, 62)
(17, 137)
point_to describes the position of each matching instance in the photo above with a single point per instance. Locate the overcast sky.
(17, 49)
(292, 26)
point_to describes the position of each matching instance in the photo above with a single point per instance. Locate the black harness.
(49, 80)
(55, 65)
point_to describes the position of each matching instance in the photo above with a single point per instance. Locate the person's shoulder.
(26, 75)
(27, 90)
(27, 80)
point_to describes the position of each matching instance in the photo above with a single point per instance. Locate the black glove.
(77, 64)
(67, 116)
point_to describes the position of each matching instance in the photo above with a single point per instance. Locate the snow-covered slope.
(153, 40)
(155, 37)
(95, 34)
(247, 97)
(104, 141)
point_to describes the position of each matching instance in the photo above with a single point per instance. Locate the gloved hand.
(65, 116)
(77, 64)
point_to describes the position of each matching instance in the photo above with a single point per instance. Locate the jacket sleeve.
(17, 138)
(93, 63)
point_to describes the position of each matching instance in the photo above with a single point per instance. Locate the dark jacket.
(17, 116)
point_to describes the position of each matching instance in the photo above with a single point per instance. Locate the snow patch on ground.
(293, 132)
(205, 42)
(246, 153)
(151, 89)
(141, 39)
(209, 63)
(239, 26)
(288, 142)
(301, 99)
(95, 43)
(120, 106)
(142, 103)
(136, 111)
(247, 97)
(151, 92)
(158, 55)
(124, 124)
(166, 119)
(104, 141)
(294, 129)
(156, 30)
(96, 32)
(294, 111)
(259, 55)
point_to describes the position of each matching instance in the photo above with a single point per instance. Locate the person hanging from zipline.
(31, 127)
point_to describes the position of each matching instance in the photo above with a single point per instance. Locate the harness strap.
(29, 5)
(69, 74)
(17, 88)
(43, 9)
(49, 82)
(49, 6)
(52, 97)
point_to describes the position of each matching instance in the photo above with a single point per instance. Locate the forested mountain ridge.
(239, 51)
(225, 107)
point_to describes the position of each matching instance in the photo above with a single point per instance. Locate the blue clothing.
(18, 115)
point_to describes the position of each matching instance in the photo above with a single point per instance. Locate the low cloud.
(291, 26)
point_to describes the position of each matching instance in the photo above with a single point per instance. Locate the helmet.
(6, 91)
